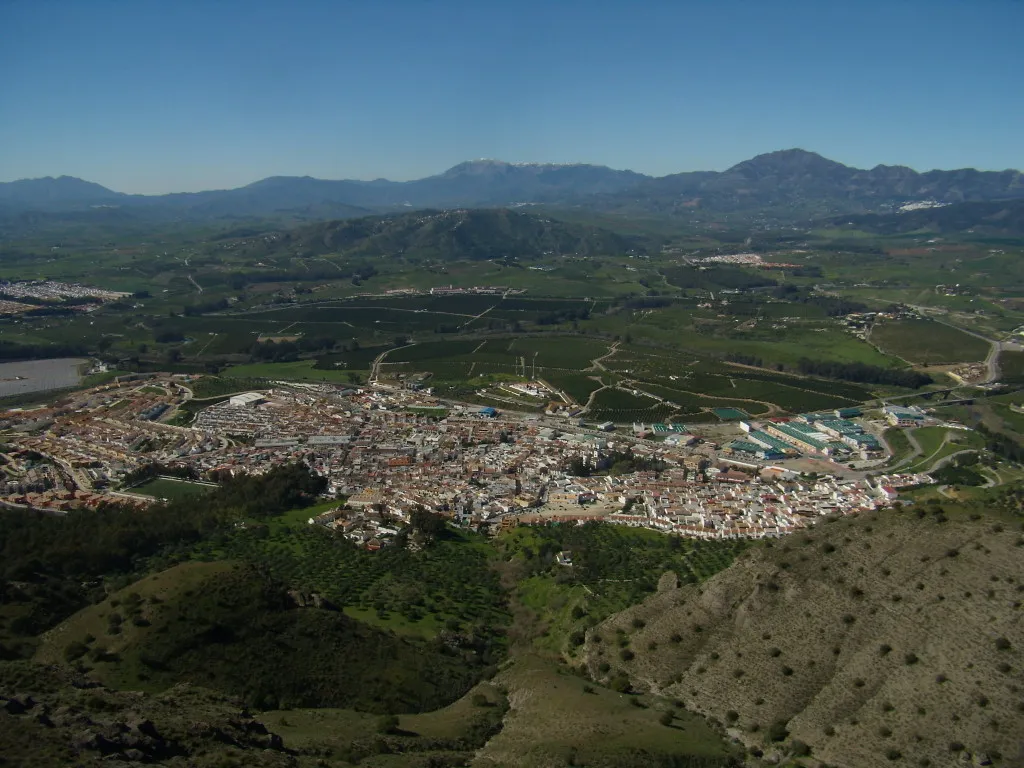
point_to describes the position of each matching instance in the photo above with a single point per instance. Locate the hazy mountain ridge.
(481, 182)
(805, 183)
(794, 180)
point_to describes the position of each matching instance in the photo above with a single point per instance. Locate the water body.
(40, 375)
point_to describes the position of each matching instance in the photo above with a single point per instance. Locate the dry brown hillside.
(880, 640)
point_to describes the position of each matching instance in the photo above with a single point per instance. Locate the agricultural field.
(623, 406)
(1011, 367)
(206, 387)
(300, 370)
(524, 357)
(671, 338)
(927, 342)
(688, 402)
(695, 384)
(1011, 419)
(578, 386)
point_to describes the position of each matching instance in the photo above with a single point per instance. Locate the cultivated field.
(928, 342)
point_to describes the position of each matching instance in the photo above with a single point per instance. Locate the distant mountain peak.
(485, 166)
(60, 189)
(787, 162)
(788, 183)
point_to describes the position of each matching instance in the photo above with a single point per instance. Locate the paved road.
(597, 364)
(917, 452)
(947, 459)
(380, 358)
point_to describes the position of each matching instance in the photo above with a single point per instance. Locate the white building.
(246, 400)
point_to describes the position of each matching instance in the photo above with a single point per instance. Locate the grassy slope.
(842, 635)
(93, 620)
(938, 442)
(555, 721)
(898, 443)
(452, 732)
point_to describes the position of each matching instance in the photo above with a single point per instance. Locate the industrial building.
(900, 416)
(246, 400)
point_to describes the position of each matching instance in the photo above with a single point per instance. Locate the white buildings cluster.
(51, 290)
(385, 457)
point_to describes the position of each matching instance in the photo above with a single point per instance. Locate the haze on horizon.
(152, 98)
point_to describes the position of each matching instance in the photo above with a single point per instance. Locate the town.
(386, 451)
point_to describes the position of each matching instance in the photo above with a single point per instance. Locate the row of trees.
(864, 373)
(149, 471)
(314, 272)
(1001, 444)
(289, 351)
(10, 350)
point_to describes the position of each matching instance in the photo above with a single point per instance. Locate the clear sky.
(182, 95)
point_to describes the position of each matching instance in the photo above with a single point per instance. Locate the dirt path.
(198, 354)
(590, 400)
(947, 459)
(938, 462)
(477, 317)
(596, 364)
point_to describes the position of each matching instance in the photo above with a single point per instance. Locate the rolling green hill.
(1000, 218)
(232, 629)
(482, 234)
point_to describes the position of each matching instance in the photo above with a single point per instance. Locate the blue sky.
(147, 96)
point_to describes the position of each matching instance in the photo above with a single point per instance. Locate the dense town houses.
(386, 452)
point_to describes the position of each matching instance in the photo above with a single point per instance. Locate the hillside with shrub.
(235, 630)
(888, 638)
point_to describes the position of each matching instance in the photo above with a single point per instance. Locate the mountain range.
(787, 179)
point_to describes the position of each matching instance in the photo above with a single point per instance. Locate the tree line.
(860, 373)
(863, 373)
(117, 539)
(10, 350)
(289, 351)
